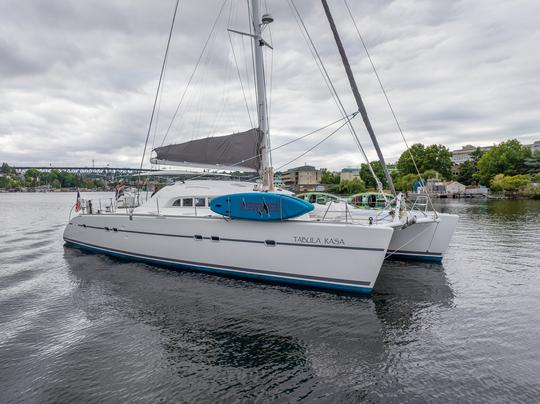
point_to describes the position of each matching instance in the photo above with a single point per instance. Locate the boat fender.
(370, 220)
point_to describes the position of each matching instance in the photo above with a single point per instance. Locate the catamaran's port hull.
(423, 241)
(334, 256)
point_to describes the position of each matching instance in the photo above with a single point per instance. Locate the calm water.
(79, 327)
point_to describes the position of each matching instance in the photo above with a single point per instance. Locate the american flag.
(78, 203)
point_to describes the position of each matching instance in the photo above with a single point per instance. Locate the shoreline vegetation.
(510, 169)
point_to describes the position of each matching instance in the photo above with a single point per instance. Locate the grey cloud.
(77, 79)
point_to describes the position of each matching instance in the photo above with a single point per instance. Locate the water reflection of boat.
(196, 327)
(406, 289)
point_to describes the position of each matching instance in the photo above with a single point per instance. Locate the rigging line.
(384, 93)
(159, 85)
(236, 59)
(315, 59)
(316, 145)
(337, 99)
(311, 148)
(159, 101)
(351, 116)
(194, 71)
(322, 68)
(240, 79)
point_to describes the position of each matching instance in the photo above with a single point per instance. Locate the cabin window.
(178, 202)
(187, 202)
(200, 202)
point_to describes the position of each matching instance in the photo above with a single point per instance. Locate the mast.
(358, 98)
(266, 172)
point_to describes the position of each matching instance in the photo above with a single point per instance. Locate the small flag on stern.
(78, 203)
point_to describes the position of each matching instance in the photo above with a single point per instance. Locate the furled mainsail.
(239, 151)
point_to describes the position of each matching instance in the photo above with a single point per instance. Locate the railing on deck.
(421, 204)
(111, 205)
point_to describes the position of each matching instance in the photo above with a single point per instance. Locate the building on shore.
(349, 173)
(301, 179)
(535, 147)
(450, 189)
(464, 154)
(472, 191)
(455, 188)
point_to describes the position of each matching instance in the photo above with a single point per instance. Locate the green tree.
(355, 186)
(329, 177)
(405, 182)
(348, 187)
(438, 158)
(476, 155)
(510, 183)
(497, 183)
(506, 158)
(368, 179)
(536, 177)
(56, 183)
(431, 174)
(467, 171)
(405, 164)
(6, 169)
(433, 157)
(31, 176)
(4, 182)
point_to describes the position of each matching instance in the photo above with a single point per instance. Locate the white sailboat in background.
(179, 225)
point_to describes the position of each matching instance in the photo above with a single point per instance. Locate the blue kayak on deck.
(260, 206)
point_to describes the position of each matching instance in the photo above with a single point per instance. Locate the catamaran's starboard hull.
(323, 255)
(423, 241)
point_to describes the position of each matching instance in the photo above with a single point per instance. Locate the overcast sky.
(77, 79)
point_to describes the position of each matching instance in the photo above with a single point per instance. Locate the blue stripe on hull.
(416, 257)
(223, 272)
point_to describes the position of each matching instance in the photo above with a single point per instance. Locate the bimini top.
(239, 151)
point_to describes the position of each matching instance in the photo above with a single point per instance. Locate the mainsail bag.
(237, 151)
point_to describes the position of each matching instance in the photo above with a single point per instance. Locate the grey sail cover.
(236, 151)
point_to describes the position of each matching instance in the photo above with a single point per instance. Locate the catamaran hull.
(423, 241)
(323, 255)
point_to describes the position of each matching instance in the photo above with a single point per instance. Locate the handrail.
(109, 205)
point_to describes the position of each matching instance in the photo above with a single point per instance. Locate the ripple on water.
(82, 327)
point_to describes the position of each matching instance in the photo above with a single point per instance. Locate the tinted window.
(177, 202)
(200, 202)
(187, 202)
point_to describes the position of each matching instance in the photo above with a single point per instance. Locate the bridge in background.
(108, 172)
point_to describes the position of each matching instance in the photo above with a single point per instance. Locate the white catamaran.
(178, 226)
(251, 232)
